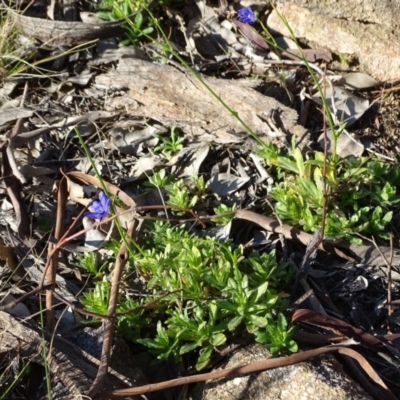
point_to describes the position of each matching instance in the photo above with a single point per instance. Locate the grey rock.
(322, 378)
(368, 30)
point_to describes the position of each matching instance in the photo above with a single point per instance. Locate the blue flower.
(246, 15)
(100, 207)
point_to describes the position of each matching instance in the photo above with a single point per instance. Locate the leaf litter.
(48, 181)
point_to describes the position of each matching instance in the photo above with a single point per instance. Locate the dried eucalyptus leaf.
(357, 80)
(347, 146)
(344, 106)
(226, 184)
(192, 164)
(12, 114)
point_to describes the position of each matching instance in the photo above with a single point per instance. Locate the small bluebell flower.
(246, 15)
(100, 207)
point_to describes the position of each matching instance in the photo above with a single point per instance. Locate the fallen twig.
(253, 367)
(109, 323)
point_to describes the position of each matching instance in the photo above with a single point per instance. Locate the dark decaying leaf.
(308, 54)
(252, 35)
(339, 327)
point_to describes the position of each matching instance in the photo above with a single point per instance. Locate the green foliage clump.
(129, 324)
(170, 145)
(217, 291)
(361, 193)
(214, 293)
(180, 194)
(136, 29)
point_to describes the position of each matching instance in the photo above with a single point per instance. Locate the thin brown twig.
(253, 367)
(389, 272)
(121, 260)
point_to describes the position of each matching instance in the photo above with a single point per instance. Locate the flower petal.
(93, 215)
(104, 200)
(100, 208)
(246, 15)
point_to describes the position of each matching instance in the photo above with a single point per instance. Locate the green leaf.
(261, 322)
(282, 323)
(204, 358)
(288, 164)
(303, 169)
(213, 310)
(262, 337)
(138, 20)
(261, 290)
(218, 339)
(189, 347)
(104, 15)
(292, 346)
(387, 217)
(235, 322)
(147, 31)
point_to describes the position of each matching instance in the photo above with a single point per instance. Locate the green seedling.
(183, 195)
(179, 195)
(200, 186)
(136, 29)
(227, 214)
(160, 179)
(89, 262)
(278, 336)
(170, 145)
(96, 300)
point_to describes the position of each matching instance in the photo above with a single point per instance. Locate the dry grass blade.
(7, 34)
(369, 370)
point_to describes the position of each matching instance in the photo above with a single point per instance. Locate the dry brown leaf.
(308, 54)
(252, 35)
(337, 326)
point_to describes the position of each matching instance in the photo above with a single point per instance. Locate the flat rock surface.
(368, 30)
(178, 99)
(320, 379)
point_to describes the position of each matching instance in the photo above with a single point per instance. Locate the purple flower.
(246, 15)
(100, 207)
